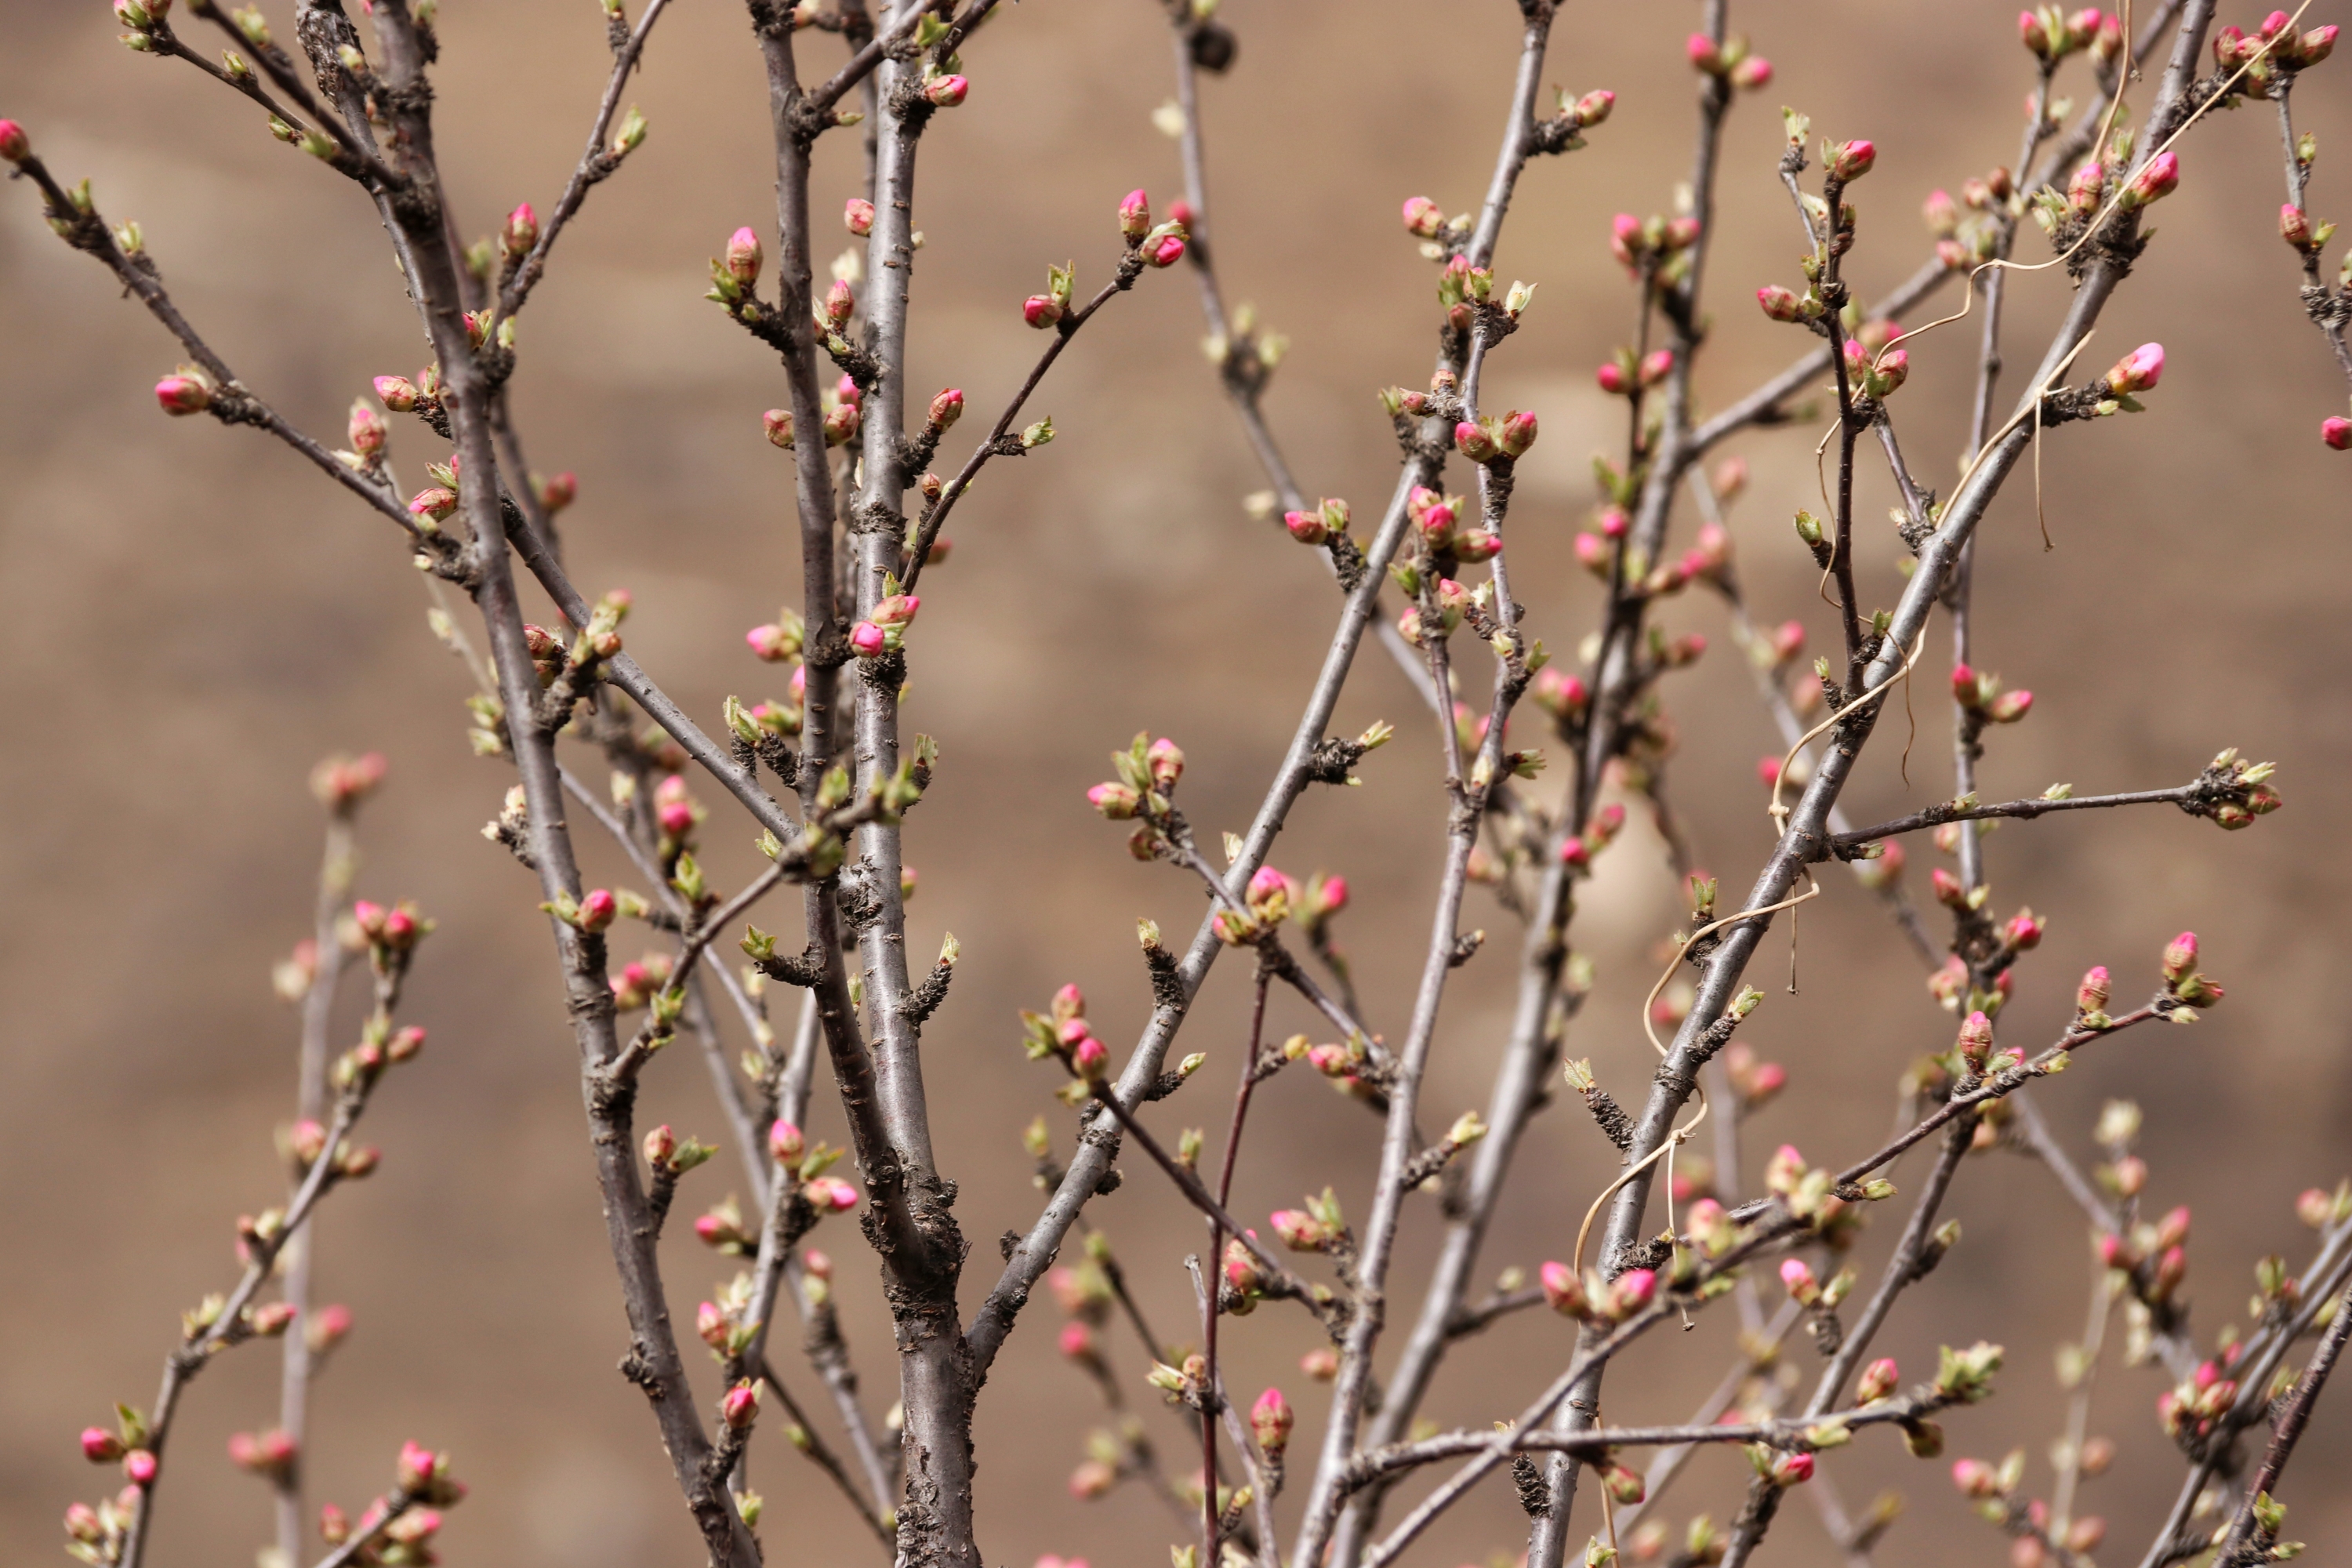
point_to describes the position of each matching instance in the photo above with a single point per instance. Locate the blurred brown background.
(194, 617)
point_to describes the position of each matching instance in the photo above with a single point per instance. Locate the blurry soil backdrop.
(193, 618)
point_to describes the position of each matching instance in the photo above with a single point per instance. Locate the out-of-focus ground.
(191, 617)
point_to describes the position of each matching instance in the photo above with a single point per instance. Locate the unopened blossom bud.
(1792, 1469)
(785, 1143)
(82, 1522)
(1593, 108)
(2138, 370)
(15, 146)
(184, 393)
(841, 423)
(1612, 378)
(1703, 54)
(366, 430)
(1090, 1060)
(1423, 217)
(1852, 160)
(100, 1447)
(744, 256)
(1942, 214)
(435, 503)
(1306, 527)
(946, 91)
(868, 640)
(1519, 432)
(1625, 1486)
(1471, 440)
(1270, 1419)
(1975, 1040)
(1976, 1478)
(2156, 179)
(830, 1193)
(2336, 433)
(1563, 1292)
(2180, 956)
(1041, 310)
(840, 303)
(2316, 1207)
(1135, 217)
(597, 910)
(1164, 247)
(520, 232)
(396, 392)
(1798, 1279)
(2171, 1268)
(1753, 73)
(778, 424)
(1656, 365)
(1878, 1380)
(2091, 996)
(1631, 1291)
(2316, 44)
(1779, 303)
(1299, 1231)
(740, 1407)
(947, 408)
(139, 1465)
(1166, 760)
(2010, 706)
(1115, 801)
(2024, 930)
(2294, 226)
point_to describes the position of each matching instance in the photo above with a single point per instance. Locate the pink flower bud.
(1611, 377)
(831, 1193)
(100, 1447)
(868, 640)
(2294, 226)
(597, 910)
(435, 503)
(1135, 217)
(81, 1520)
(2180, 956)
(1632, 1292)
(1792, 1470)
(2335, 432)
(1593, 106)
(1115, 801)
(1878, 1380)
(182, 394)
(2091, 996)
(366, 430)
(1655, 366)
(2155, 180)
(1753, 73)
(1474, 443)
(1975, 1039)
(1299, 1231)
(2010, 706)
(946, 91)
(743, 257)
(2315, 1207)
(1519, 432)
(1703, 54)
(1779, 303)
(1306, 527)
(1041, 310)
(1561, 1290)
(2032, 34)
(521, 232)
(1270, 1419)
(2173, 1229)
(785, 1143)
(15, 146)
(1165, 251)
(2317, 45)
(139, 1465)
(839, 303)
(1798, 1279)
(1422, 217)
(1090, 1060)
(2024, 930)
(947, 408)
(1852, 160)
(858, 217)
(1976, 1478)
(1078, 1342)
(740, 1407)
(710, 1325)
(396, 392)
